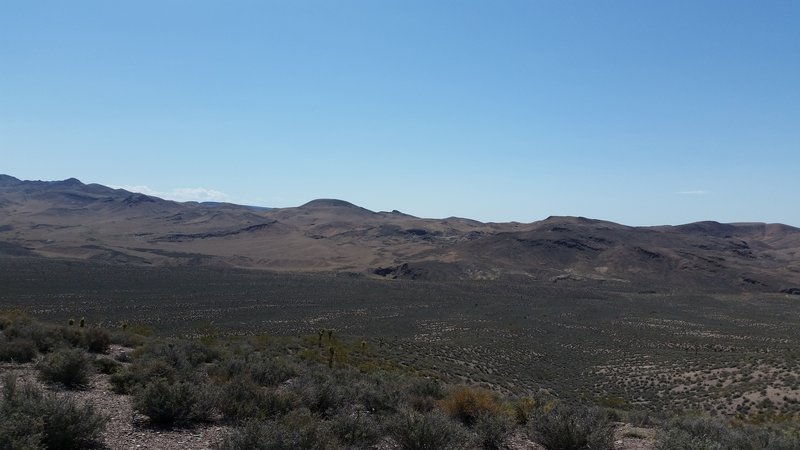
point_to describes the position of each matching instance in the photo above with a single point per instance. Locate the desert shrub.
(46, 338)
(14, 324)
(6, 319)
(423, 393)
(71, 337)
(705, 433)
(356, 428)
(426, 387)
(96, 340)
(421, 403)
(268, 371)
(299, 430)
(466, 404)
(680, 439)
(126, 380)
(182, 354)
(263, 369)
(70, 367)
(242, 399)
(22, 424)
(68, 425)
(18, 350)
(321, 394)
(572, 428)
(493, 430)
(426, 431)
(34, 419)
(106, 365)
(127, 338)
(524, 409)
(379, 393)
(701, 432)
(180, 403)
(123, 356)
(640, 418)
(771, 439)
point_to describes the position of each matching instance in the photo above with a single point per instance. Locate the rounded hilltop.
(329, 203)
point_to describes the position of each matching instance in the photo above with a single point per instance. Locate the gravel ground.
(128, 430)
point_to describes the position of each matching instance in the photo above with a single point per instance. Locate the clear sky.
(641, 112)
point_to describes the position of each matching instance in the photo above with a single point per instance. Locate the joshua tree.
(332, 352)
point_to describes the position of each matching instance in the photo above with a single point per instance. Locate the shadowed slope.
(69, 219)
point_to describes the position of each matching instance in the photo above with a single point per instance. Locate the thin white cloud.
(197, 194)
(698, 192)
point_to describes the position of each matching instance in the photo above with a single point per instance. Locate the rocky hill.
(70, 219)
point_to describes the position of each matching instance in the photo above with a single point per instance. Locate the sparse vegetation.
(430, 430)
(706, 433)
(573, 428)
(467, 404)
(174, 403)
(35, 419)
(18, 350)
(463, 383)
(69, 367)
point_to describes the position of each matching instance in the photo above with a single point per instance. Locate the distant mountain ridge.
(70, 219)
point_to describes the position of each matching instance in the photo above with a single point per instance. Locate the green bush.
(242, 399)
(107, 366)
(424, 393)
(321, 394)
(705, 433)
(127, 338)
(356, 428)
(572, 428)
(96, 340)
(379, 392)
(69, 337)
(180, 403)
(427, 431)
(264, 369)
(639, 418)
(34, 419)
(182, 354)
(268, 371)
(46, 338)
(426, 387)
(493, 430)
(69, 367)
(18, 350)
(126, 380)
(299, 430)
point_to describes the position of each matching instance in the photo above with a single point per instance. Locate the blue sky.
(641, 112)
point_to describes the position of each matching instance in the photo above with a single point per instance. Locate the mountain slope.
(69, 219)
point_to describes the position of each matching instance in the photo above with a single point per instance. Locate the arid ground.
(679, 351)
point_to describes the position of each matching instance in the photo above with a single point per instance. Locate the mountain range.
(72, 220)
